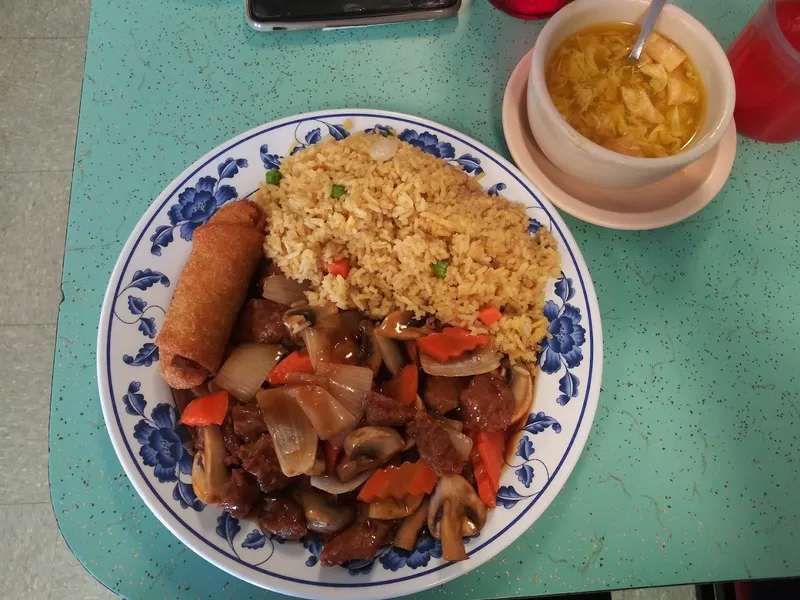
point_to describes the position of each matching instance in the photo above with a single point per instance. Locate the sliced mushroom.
(209, 472)
(299, 318)
(321, 517)
(333, 485)
(522, 388)
(401, 325)
(504, 372)
(373, 443)
(369, 355)
(347, 470)
(407, 533)
(327, 316)
(389, 508)
(455, 510)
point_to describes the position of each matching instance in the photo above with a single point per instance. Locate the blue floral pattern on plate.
(536, 423)
(158, 441)
(270, 161)
(563, 346)
(389, 557)
(138, 307)
(428, 142)
(260, 545)
(426, 548)
(163, 445)
(197, 204)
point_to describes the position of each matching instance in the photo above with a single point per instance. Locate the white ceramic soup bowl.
(590, 162)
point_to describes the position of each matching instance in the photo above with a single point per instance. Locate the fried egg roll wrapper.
(210, 293)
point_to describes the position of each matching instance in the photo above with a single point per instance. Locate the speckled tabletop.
(691, 471)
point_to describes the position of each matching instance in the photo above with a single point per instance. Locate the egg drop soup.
(652, 109)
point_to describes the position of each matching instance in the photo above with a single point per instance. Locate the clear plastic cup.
(765, 59)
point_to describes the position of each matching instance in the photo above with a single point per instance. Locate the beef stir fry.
(322, 421)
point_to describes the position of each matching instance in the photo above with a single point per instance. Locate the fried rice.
(396, 219)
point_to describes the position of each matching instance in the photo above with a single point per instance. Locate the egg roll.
(210, 293)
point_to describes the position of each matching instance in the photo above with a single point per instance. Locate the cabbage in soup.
(652, 109)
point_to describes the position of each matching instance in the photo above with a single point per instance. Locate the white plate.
(138, 406)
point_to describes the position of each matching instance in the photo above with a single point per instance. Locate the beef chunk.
(487, 404)
(261, 321)
(434, 445)
(239, 494)
(441, 394)
(259, 459)
(359, 541)
(247, 421)
(233, 442)
(283, 517)
(384, 411)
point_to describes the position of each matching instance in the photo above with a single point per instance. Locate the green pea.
(440, 268)
(274, 177)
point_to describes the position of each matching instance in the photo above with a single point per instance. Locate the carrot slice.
(409, 479)
(491, 446)
(485, 488)
(339, 267)
(460, 333)
(489, 315)
(332, 453)
(296, 362)
(206, 410)
(403, 386)
(450, 343)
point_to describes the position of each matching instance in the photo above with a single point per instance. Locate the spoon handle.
(649, 22)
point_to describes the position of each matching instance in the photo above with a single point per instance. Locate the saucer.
(658, 204)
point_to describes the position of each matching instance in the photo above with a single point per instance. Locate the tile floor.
(42, 49)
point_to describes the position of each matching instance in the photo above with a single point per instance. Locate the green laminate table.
(691, 472)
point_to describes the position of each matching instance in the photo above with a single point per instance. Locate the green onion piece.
(274, 177)
(337, 191)
(440, 268)
(385, 133)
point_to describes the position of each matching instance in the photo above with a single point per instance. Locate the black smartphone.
(282, 15)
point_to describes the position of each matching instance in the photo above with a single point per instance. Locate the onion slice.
(333, 485)
(326, 414)
(247, 368)
(349, 385)
(318, 345)
(306, 379)
(383, 148)
(392, 352)
(454, 424)
(479, 361)
(284, 290)
(461, 442)
(292, 433)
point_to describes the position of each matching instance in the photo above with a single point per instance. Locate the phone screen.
(312, 10)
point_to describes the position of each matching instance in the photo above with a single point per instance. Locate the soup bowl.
(585, 160)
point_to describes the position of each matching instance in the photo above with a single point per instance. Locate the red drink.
(765, 59)
(529, 9)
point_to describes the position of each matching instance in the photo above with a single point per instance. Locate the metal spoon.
(649, 21)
